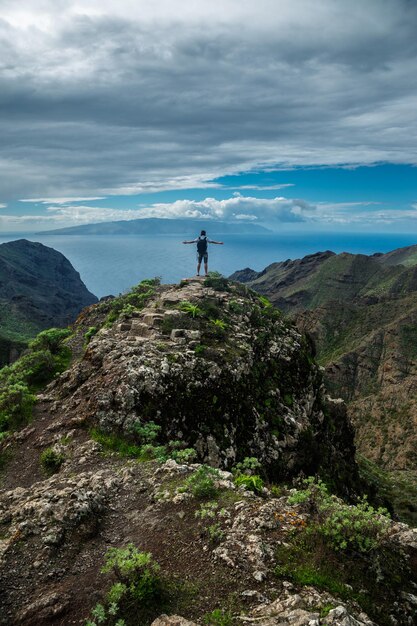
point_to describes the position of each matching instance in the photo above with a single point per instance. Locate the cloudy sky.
(289, 113)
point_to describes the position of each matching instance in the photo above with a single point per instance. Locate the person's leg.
(206, 264)
(198, 268)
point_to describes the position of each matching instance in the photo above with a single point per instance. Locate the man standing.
(202, 252)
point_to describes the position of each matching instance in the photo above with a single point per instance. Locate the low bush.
(136, 594)
(372, 571)
(249, 465)
(126, 304)
(50, 339)
(217, 282)
(191, 309)
(136, 570)
(46, 357)
(251, 482)
(218, 617)
(357, 527)
(93, 330)
(202, 483)
(16, 403)
(51, 460)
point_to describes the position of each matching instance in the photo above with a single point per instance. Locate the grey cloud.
(95, 104)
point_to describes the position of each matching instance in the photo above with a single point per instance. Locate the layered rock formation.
(39, 289)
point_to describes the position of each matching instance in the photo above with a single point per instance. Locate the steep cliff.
(39, 288)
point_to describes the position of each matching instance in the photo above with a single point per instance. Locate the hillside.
(361, 312)
(39, 288)
(153, 225)
(156, 476)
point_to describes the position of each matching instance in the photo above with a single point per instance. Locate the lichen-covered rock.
(55, 507)
(303, 609)
(224, 373)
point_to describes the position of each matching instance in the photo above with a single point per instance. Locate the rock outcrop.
(219, 370)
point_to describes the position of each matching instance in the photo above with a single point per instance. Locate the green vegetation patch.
(138, 593)
(51, 460)
(46, 357)
(135, 300)
(142, 444)
(372, 571)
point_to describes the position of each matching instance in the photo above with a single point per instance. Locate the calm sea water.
(112, 264)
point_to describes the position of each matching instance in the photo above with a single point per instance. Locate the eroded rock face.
(231, 379)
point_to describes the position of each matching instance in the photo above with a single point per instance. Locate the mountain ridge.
(361, 312)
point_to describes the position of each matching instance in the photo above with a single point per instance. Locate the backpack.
(202, 245)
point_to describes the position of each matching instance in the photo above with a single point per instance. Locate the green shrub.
(209, 509)
(217, 282)
(126, 304)
(150, 282)
(249, 465)
(147, 432)
(357, 527)
(50, 339)
(16, 403)
(264, 302)
(116, 592)
(149, 452)
(215, 533)
(136, 570)
(236, 307)
(188, 455)
(99, 613)
(219, 324)
(51, 460)
(116, 443)
(250, 482)
(45, 358)
(202, 482)
(93, 330)
(191, 309)
(218, 617)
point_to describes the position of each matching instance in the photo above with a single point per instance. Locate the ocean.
(113, 264)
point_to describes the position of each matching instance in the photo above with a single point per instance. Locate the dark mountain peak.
(39, 288)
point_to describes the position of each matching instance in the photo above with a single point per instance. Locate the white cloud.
(361, 213)
(263, 187)
(268, 210)
(60, 200)
(3, 206)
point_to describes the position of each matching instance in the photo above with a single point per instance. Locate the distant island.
(157, 226)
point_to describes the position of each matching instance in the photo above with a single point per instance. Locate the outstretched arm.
(193, 241)
(219, 243)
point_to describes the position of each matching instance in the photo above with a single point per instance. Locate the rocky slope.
(39, 289)
(361, 312)
(172, 375)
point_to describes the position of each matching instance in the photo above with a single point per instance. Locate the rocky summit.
(221, 371)
(188, 467)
